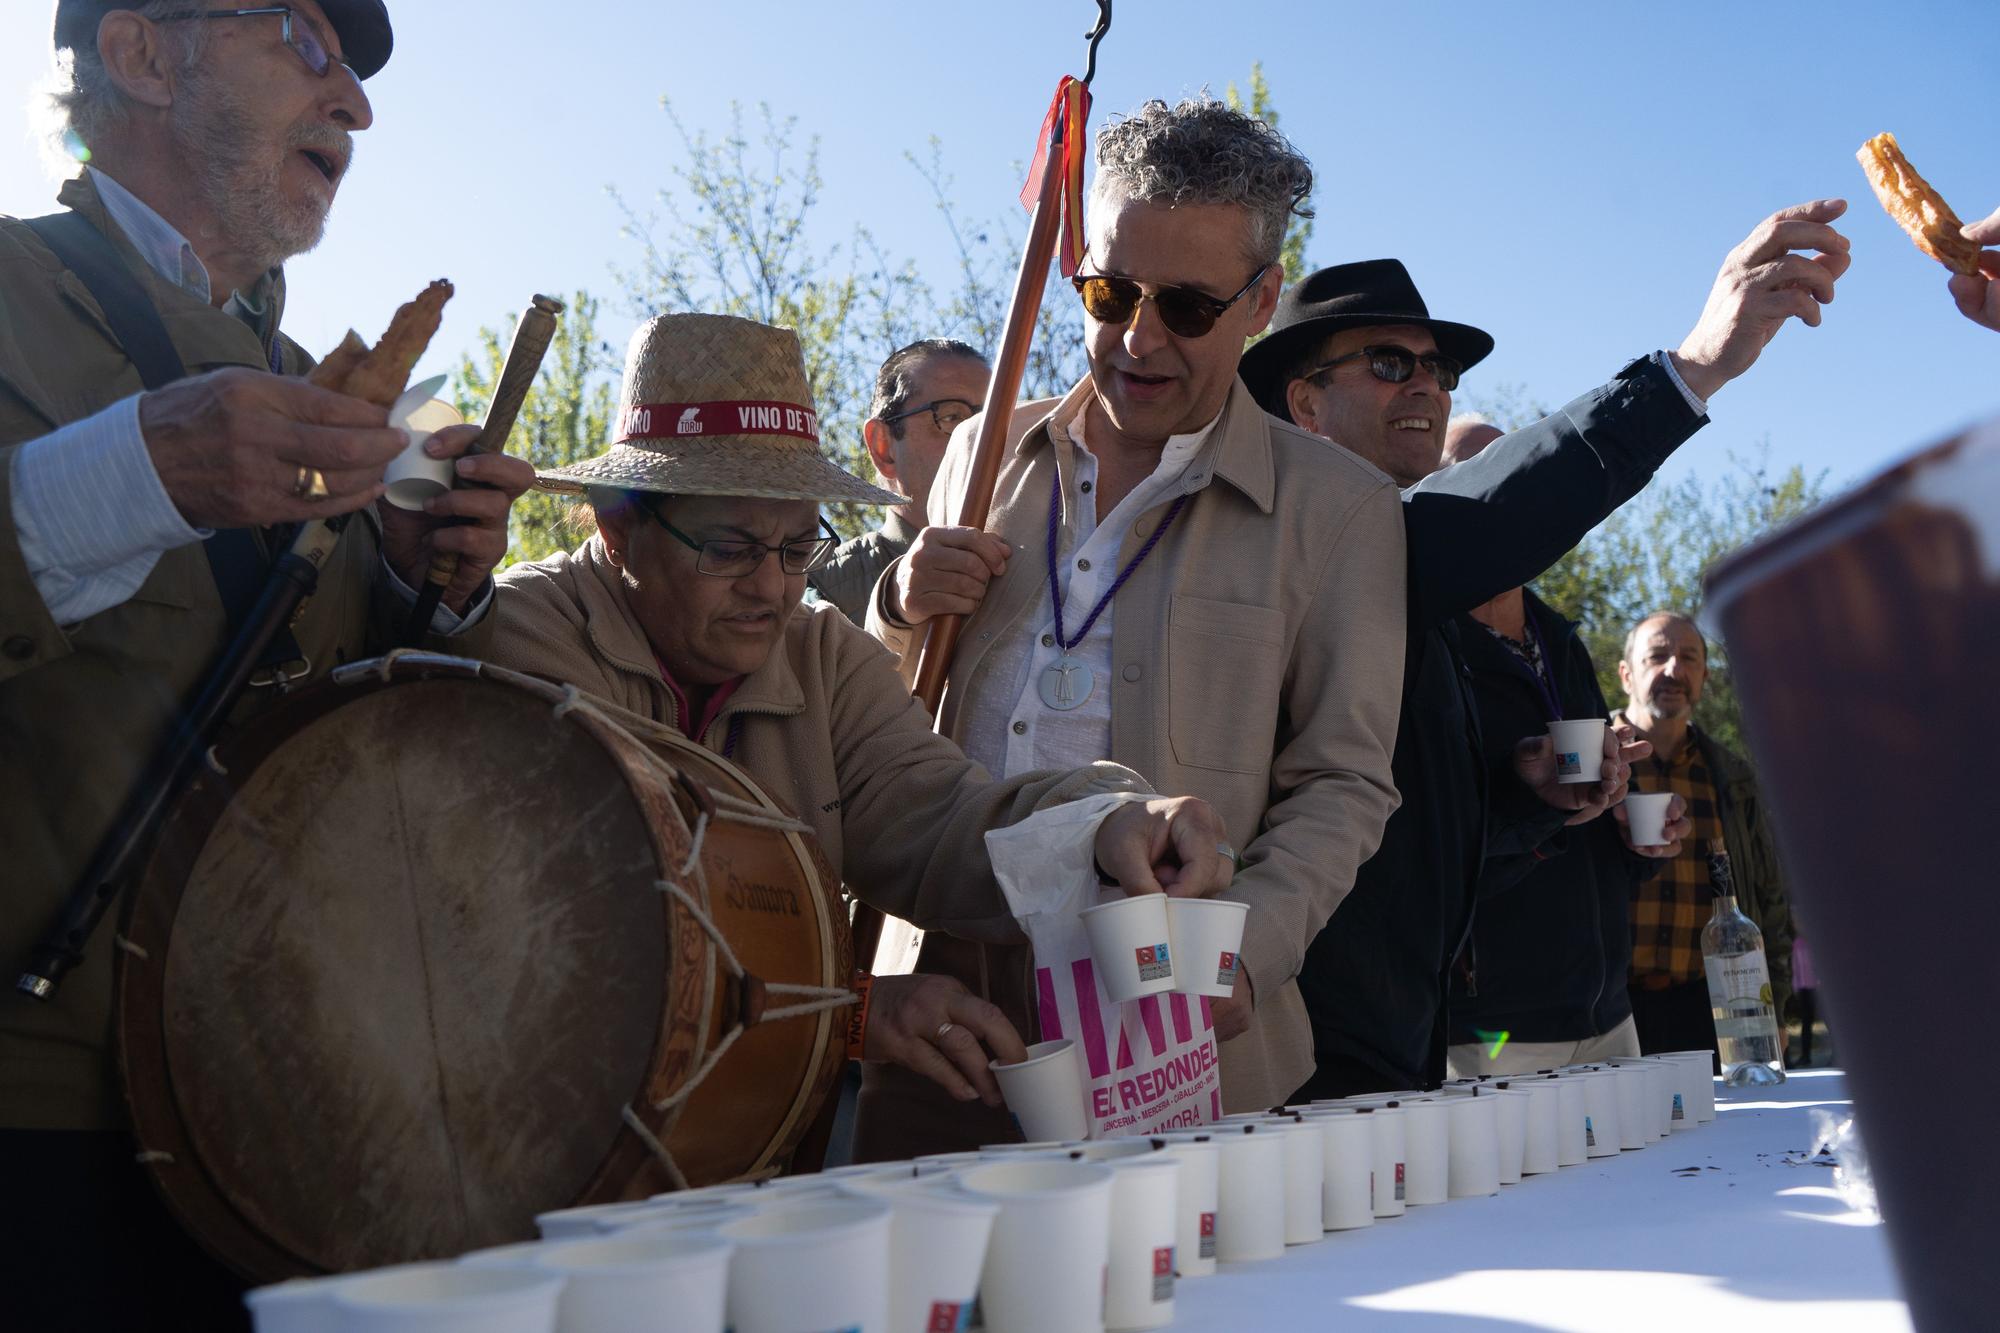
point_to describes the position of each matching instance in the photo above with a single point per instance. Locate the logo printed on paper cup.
(1154, 964)
(1589, 1133)
(1679, 1112)
(1163, 1273)
(1399, 1182)
(1569, 763)
(949, 1317)
(1225, 973)
(1208, 1235)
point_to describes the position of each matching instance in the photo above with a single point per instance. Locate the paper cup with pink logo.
(1045, 1092)
(1207, 937)
(1195, 1205)
(1579, 749)
(937, 1245)
(1046, 1260)
(1139, 1276)
(1132, 946)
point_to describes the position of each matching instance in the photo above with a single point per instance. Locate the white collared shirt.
(1009, 729)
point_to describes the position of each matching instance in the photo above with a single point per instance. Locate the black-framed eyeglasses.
(302, 37)
(726, 558)
(1188, 312)
(1393, 365)
(948, 413)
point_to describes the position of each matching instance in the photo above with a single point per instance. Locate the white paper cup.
(448, 1298)
(706, 1217)
(1513, 1133)
(1250, 1194)
(1579, 749)
(1646, 817)
(1305, 1179)
(1045, 1264)
(301, 1305)
(1196, 1203)
(1475, 1147)
(1387, 1187)
(1572, 1120)
(937, 1246)
(1700, 1082)
(1427, 1148)
(1139, 1274)
(820, 1265)
(1045, 1092)
(1542, 1132)
(414, 476)
(1207, 936)
(1604, 1132)
(1131, 947)
(1635, 1105)
(581, 1223)
(1347, 1147)
(1662, 1076)
(610, 1279)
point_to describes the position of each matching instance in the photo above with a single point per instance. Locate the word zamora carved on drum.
(409, 961)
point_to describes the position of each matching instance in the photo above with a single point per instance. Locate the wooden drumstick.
(532, 335)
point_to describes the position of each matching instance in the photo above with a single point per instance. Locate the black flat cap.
(1347, 296)
(361, 25)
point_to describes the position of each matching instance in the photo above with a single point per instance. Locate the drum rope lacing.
(812, 999)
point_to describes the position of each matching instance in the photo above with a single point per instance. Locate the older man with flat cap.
(154, 431)
(1355, 356)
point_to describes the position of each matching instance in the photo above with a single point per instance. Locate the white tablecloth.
(1621, 1243)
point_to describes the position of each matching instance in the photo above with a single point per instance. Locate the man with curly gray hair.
(1174, 579)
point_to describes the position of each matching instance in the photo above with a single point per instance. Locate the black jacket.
(1549, 950)
(1375, 980)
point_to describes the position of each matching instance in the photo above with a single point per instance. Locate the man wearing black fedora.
(1355, 356)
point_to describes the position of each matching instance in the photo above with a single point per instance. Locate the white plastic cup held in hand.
(1427, 1149)
(1045, 1092)
(1579, 749)
(449, 1298)
(1475, 1147)
(612, 1276)
(1131, 947)
(1045, 1263)
(1513, 1133)
(1207, 937)
(937, 1245)
(1542, 1133)
(413, 476)
(1572, 1120)
(1250, 1207)
(1386, 1183)
(1196, 1203)
(820, 1265)
(1347, 1145)
(1646, 817)
(1139, 1277)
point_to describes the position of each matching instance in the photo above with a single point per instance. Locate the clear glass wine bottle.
(1739, 986)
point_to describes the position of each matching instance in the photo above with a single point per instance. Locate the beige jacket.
(84, 706)
(1257, 662)
(829, 731)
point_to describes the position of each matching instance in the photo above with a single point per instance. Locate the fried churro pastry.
(383, 372)
(332, 373)
(1917, 208)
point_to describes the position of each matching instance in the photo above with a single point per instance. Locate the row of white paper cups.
(1047, 1237)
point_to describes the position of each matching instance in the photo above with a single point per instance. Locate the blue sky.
(1567, 176)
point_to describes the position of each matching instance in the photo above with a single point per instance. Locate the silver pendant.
(1066, 683)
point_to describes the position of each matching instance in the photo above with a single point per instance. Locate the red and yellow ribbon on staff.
(1063, 131)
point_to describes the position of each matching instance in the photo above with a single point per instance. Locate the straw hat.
(715, 405)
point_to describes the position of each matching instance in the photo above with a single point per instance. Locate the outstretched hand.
(1764, 282)
(1978, 294)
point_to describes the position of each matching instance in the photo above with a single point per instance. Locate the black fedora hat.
(1347, 296)
(362, 25)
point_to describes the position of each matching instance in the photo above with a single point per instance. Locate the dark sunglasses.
(301, 36)
(1393, 365)
(727, 558)
(1188, 312)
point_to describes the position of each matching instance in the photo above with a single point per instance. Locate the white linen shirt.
(1009, 729)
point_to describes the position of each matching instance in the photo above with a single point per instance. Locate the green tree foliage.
(566, 418)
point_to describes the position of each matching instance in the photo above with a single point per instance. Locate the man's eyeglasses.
(1393, 365)
(1188, 312)
(948, 413)
(728, 559)
(302, 37)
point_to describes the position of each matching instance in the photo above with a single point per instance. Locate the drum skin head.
(407, 963)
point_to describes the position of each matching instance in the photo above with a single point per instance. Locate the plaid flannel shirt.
(1670, 909)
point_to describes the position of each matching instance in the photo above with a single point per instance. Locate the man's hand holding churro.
(1978, 294)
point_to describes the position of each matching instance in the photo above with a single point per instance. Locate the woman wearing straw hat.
(685, 607)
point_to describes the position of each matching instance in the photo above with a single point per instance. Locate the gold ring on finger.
(310, 484)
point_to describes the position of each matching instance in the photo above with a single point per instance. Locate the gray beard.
(243, 188)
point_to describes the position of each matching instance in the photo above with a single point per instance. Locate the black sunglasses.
(1188, 312)
(1393, 365)
(727, 558)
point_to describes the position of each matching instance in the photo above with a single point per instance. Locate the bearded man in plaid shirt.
(1663, 670)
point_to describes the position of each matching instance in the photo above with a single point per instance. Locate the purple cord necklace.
(1067, 682)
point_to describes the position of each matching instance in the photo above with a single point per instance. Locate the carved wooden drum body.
(425, 952)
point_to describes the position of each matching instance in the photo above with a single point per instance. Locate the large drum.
(435, 947)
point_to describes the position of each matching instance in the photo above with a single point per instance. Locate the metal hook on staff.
(1096, 35)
